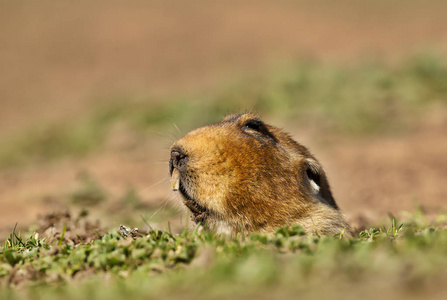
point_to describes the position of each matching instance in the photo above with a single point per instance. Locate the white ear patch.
(313, 175)
(315, 187)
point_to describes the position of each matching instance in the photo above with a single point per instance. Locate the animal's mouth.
(199, 213)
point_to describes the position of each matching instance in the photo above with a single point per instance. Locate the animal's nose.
(178, 160)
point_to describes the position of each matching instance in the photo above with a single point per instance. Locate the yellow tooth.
(175, 180)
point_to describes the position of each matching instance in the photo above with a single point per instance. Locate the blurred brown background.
(60, 60)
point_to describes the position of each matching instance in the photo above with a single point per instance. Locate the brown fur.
(242, 175)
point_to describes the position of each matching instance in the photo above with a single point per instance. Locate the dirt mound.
(62, 226)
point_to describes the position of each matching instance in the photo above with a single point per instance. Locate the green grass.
(363, 98)
(400, 261)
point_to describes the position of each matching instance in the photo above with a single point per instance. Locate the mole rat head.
(243, 174)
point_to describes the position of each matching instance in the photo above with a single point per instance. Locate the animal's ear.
(318, 183)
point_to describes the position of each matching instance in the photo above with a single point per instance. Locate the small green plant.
(390, 260)
(374, 233)
(14, 239)
(16, 248)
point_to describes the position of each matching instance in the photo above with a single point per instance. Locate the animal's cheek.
(211, 190)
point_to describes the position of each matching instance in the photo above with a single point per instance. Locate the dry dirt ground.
(58, 60)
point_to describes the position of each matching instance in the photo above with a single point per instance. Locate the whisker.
(167, 137)
(177, 128)
(166, 178)
(160, 208)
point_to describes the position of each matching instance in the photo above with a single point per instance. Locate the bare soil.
(376, 176)
(59, 60)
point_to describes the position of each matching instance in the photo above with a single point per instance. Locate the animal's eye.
(258, 126)
(254, 125)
